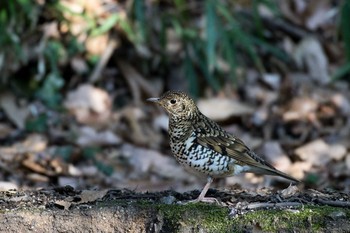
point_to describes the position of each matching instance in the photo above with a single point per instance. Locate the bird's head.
(177, 104)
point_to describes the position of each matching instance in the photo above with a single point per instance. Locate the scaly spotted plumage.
(202, 145)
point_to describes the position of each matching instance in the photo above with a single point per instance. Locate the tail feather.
(265, 170)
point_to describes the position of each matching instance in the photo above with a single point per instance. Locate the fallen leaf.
(5, 130)
(219, 109)
(298, 169)
(341, 102)
(318, 14)
(147, 161)
(300, 109)
(337, 152)
(5, 186)
(17, 114)
(66, 180)
(347, 161)
(79, 65)
(309, 53)
(64, 204)
(89, 104)
(290, 191)
(88, 136)
(91, 195)
(272, 79)
(318, 152)
(276, 156)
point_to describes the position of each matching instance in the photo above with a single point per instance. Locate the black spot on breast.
(210, 146)
(223, 150)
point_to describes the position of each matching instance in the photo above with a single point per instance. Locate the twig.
(136, 81)
(254, 206)
(334, 203)
(96, 74)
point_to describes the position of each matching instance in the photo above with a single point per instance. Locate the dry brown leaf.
(314, 152)
(34, 143)
(147, 162)
(347, 161)
(309, 53)
(272, 79)
(300, 109)
(88, 136)
(66, 180)
(17, 114)
(5, 186)
(89, 104)
(32, 165)
(79, 65)
(91, 195)
(290, 191)
(298, 169)
(276, 156)
(64, 204)
(86, 196)
(134, 126)
(341, 102)
(37, 177)
(137, 82)
(174, 43)
(337, 152)
(5, 130)
(319, 12)
(219, 109)
(50, 30)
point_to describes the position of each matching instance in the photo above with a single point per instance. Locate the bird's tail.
(265, 170)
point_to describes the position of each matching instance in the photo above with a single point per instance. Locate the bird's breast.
(202, 159)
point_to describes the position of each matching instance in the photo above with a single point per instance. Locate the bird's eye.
(173, 101)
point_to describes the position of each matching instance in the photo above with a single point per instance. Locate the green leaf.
(64, 152)
(257, 19)
(105, 168)
(191, 75)
(211, 33)
(341, 72)
(49, 92)
(90, 152)
(106, 25)
(198, 52)
(228, 51)
(345, 27)
(38, 124)
(139, 11)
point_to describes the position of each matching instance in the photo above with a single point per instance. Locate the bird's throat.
(179, 130)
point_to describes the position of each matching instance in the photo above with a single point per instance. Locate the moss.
(307, 219)
(211, 218)
(216, 219)
(197, 216)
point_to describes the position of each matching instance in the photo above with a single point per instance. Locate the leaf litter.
(109, 137)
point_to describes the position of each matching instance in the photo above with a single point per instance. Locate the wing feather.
(225, 143)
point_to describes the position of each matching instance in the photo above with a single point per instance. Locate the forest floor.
(65, 209)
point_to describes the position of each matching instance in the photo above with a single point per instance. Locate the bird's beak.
(155, 100)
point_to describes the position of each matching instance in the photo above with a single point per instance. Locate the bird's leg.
(201, 197)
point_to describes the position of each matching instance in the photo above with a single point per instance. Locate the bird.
(201, 145)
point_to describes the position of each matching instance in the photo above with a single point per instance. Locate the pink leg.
(201, 197)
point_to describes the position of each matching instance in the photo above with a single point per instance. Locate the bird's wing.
(232, 147)
(226, 144)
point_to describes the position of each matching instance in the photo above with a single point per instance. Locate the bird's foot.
(205, 200)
